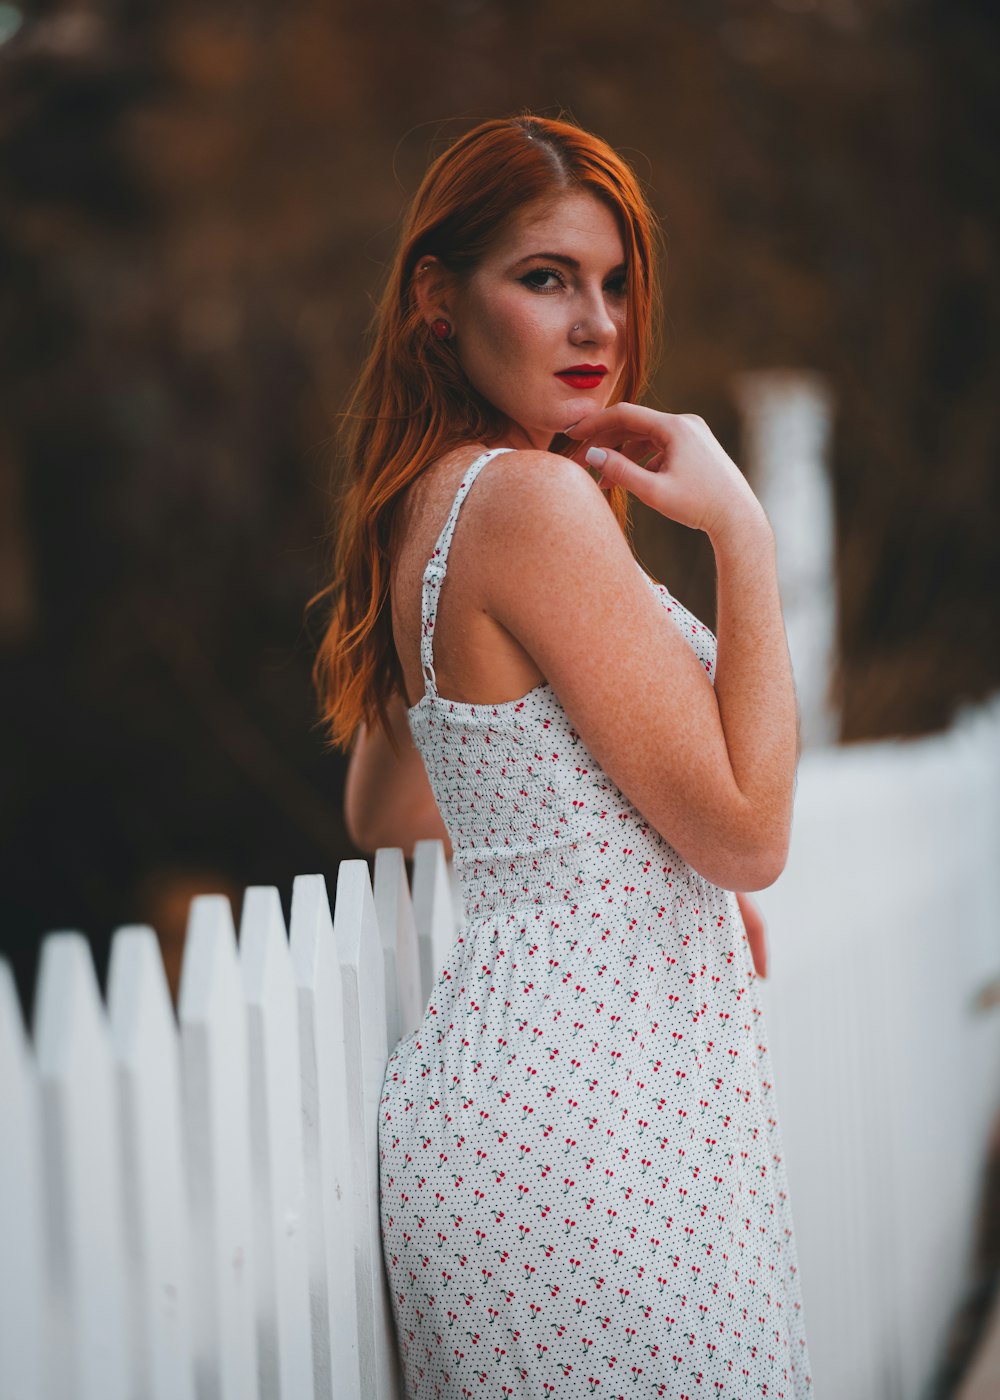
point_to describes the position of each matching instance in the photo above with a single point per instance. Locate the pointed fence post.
(362, 968)
(786, 433)
(394, 910)
(434, 911)
(147, 1055)
(89, 1344)
(22, 1218)
(283, 1330)
(216, 1103)
(329, 1182)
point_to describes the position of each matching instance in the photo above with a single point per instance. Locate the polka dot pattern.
(582, 1190)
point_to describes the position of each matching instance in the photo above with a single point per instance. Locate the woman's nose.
(594, 323)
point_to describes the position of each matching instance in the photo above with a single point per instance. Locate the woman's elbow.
(763, 871)
(397, 828)
(358, 822)
(751, 863)
(356, 833)
(764, 861)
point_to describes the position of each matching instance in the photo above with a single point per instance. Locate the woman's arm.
(388, 800)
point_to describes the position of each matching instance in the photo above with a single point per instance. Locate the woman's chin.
(581, 405)
(552, 423)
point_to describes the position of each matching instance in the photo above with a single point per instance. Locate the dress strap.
(437, 567)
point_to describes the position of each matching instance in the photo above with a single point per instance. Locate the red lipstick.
(582, 376)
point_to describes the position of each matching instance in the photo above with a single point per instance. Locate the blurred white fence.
(885, 932)
(191, 1210)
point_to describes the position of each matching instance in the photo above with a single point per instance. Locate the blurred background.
(198, 204)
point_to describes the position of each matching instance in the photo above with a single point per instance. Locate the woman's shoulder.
(522, 501)
(512, 481)
(524, 508)
(533, 494)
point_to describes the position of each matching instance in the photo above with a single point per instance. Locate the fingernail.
(595, 456)
(572, 425)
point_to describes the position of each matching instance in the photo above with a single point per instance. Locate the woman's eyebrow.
(563, 258)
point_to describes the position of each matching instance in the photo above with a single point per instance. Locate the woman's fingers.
(634, 448)
(758, 948)
(618, 470)
(621, 440)
(753, 922)
(669, 461)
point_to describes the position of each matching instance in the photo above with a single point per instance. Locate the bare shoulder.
(535, 505)
(522, 478)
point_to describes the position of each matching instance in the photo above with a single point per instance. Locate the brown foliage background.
(197, 203)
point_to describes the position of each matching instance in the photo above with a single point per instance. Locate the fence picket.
(435, 911)
(329, 1182)
(88, 1347)
(394, 909)
(22, 1219)
(362, 967)
(215, 1095)
(147, 1054)
(283, 1333)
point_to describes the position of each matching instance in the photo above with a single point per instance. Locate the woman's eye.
(538, 279)
(617, 286)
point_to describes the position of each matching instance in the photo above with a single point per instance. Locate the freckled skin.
(520, 318)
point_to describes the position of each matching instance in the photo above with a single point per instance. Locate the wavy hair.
(412, 401)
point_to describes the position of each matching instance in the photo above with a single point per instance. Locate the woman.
(582, 1186)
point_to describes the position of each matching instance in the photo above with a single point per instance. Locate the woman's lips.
(583, 376)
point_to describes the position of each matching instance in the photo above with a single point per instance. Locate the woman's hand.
(753, 920)
(670, 461)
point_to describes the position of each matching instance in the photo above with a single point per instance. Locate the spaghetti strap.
(437, 567)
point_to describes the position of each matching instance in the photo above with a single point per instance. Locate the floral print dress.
(582, 1190)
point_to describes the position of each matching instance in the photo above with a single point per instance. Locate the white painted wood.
(22, 1297)
(786, 428)
(329, 1188)
(90, 1328)
(938, 1032)
(404, 1004)
(215, 1093)
(436, 910)
(154, 1201)
(455, 891)
(882, 928)
(359, 948)
(284, 1345)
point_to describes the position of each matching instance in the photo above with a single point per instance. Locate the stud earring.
(441, 328)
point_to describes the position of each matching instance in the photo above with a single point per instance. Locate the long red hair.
(412, 401)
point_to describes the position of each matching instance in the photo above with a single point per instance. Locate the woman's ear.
(432, 287)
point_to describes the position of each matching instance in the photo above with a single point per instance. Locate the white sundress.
(582, 1190)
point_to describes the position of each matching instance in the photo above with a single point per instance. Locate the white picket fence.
(883, 1010)
(189, 1205)
(191, 1210)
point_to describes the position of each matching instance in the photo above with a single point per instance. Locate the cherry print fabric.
(582, 1190)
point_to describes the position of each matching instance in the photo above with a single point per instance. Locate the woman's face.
(547, 299)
